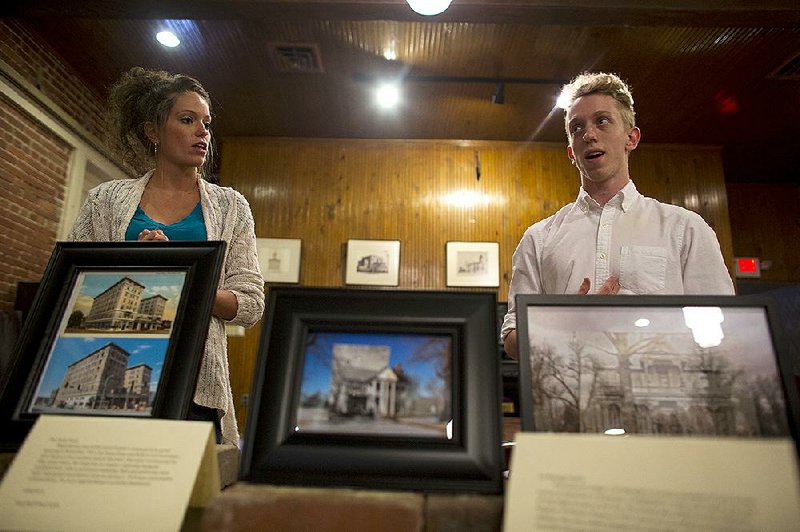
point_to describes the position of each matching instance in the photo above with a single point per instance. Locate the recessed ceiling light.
(429, 7)
(167, 38)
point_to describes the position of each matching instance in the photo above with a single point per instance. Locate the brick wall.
(33, 166)
(34, 161)
(28, 54)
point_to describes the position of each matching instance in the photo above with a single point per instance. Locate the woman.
(161, 121)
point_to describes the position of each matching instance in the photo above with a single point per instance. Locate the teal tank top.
(190, 228)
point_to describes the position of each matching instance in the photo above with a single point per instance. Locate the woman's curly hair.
(141, 96)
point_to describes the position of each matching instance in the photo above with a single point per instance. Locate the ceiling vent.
(299, 58)
(789, 70)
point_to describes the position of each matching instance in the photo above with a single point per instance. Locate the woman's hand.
(225, 305)
(154, 234)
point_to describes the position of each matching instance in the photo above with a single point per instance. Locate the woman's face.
(185, 138)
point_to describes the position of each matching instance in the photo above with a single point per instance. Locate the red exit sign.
(748, 267)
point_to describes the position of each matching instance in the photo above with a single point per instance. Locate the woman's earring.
(155, 149)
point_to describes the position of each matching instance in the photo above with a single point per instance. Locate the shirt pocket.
(643, 269)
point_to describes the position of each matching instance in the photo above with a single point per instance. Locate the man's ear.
(570, 154)
(634, 136)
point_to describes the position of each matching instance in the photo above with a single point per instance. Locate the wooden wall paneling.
(242, 352)
(425, 193)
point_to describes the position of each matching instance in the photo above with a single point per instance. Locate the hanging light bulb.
(429, 7)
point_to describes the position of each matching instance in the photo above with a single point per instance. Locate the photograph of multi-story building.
(136, 384)
(133, 303)
(117, 307)
(102, 380)
(150, 314)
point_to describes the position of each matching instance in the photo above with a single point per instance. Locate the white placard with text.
(94, 473)
(597, 482)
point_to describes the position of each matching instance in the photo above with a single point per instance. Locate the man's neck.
(603, 192)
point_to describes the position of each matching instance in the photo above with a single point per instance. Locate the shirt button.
(602, 256)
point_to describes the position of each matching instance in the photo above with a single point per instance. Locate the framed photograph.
(279, 259)
(673, 365)
(473, 264)
(115, 329)
(373, 262)
(376, 389)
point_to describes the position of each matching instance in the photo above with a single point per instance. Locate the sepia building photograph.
(140, 303)
(590, 374)
(116, 308)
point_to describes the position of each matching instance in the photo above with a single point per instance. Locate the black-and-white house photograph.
(654, 370)
(373, 262)
(473, 264)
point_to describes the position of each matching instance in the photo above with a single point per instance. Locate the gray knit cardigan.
(105, 217)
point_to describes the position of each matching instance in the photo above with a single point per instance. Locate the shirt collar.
(624, 198)
(629, 194)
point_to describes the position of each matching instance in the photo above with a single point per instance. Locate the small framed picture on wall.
(473, 264)
(373, 262)
(279, 259)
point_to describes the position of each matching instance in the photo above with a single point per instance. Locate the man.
(611, 240)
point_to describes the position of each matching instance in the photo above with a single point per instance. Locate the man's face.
(599, 141)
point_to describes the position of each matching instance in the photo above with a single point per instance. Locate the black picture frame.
(664, 358)
(275, 453)
(197, 265)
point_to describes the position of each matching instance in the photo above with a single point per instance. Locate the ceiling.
(702, 71)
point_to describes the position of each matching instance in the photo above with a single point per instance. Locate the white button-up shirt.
(653, 247)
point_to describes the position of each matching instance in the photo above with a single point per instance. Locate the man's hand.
(610, 287)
